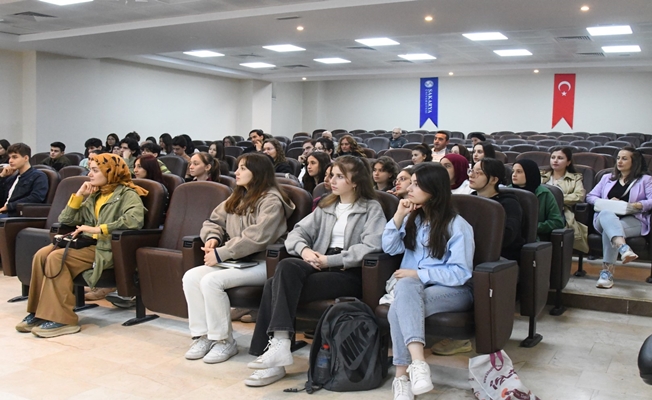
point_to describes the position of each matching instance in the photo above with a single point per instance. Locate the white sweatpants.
(209, 310)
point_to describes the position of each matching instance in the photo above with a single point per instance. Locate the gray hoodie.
(244, 235)
(362, 235)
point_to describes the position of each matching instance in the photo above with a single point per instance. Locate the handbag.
(67, 241)
(492, 377)
(617, 207)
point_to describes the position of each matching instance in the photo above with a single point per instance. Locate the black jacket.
(512, 238)
(31, 188)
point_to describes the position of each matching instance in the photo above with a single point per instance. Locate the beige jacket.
(241, 236)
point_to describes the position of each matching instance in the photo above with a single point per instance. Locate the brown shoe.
(97, 293)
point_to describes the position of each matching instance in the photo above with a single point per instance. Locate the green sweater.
(550, 217)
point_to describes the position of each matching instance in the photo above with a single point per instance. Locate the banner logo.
(563, 104)
(429, 100)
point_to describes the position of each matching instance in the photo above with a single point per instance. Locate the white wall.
(11, 98)
(78, 99)
(287, 108)
(603, 102)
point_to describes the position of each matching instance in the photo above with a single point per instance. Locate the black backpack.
(346, 352)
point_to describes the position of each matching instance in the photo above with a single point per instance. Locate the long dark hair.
(280, 154)
(150, 164)
(219, 149)
(639, 167)
(569, 156)
(425, 150)
(207, 159)
(356, 170)
(493, 168)
(324, 161)
(464, 152)
(489, 150)
(117, 142)
(387, 164)
(243, 200)
(167, 142)
(355, 147)
(437, 212)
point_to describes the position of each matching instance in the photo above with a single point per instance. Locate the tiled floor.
(584, 355)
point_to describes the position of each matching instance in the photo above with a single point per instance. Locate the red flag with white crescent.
(563, 104)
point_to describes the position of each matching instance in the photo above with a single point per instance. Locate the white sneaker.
(627, 255)
(278, 354)
(264, 377)
(222, 350)
(420, 377)
(606, 280)
(200, 347)
(402, 388)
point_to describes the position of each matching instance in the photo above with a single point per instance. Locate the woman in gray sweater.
(332, 241)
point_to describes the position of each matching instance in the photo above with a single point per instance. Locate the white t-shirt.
(342, 212)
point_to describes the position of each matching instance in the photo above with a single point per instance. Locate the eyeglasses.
(472, 172)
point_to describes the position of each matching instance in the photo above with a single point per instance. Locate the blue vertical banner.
(429, 100)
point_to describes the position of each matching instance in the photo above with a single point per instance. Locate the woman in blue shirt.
(437, 264)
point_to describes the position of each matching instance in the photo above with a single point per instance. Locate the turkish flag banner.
(563, 103)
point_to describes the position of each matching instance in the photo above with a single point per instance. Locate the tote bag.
(492, 377)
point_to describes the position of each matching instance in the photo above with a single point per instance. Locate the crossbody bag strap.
(63, 260)
(629, 188)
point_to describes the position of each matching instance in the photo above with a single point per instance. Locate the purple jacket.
(641, 192)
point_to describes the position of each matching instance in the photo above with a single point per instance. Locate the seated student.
(228, 141)
(421, 153)
(4, 156)
(257, 137)
(91, 145)
(482, 150)
(397, 141)
(435, 272)
(147, 167)
(108, 201)
(133, 135)
(457, 167)
(57, 159)
(165, 143)
(216, 150)
(630, 183)
(154, 150)
(111, 140)
(130, 151)
(150, 139)
(384, 173)
(463, 151)
(477, 137)
(253, 217)
(328, 135)
(564, 176)
(272, 148)
(402, 182)
(117, 150)
(349, 147)
(179, 146)
(308, 146)
(331, 241)
(526, 176)
(29, 185)
(316, 166)
(203, 167)
(327, 186)
(190, 146)
(325, 145)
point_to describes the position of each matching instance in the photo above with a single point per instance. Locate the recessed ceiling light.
(428, 18)
(621, 49)
(584, 8)
(536, 71)
(258, 65)
(451, 73)
(417, 57)
(65, 2)
(513, 52)
(332, 60)
(374, 42)
(284, 48)
(304, 78)
(299, 28)
(485, 36)
(203, 53)
(610, 30)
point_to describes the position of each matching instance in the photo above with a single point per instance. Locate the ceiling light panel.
(332, 60)
(417, 57)
(513, 53)
(622, 49)
(376, 42)
(258, 65)
(480, 36)
(203, 53)
(284, 48)
(65, 2)
(610, 30)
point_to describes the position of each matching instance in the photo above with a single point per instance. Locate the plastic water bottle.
(323, 365)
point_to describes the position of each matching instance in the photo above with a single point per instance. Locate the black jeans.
(295, 281)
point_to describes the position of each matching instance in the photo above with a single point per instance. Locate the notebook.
(237, 264)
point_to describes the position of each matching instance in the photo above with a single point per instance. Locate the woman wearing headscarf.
(108, 201)
(458, 170)
(526, 176)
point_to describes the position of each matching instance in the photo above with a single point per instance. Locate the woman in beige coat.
(564, 176)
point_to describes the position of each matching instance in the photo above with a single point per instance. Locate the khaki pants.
(53, 299)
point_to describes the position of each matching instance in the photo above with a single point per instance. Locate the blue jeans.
(413, 302)
(612, 226)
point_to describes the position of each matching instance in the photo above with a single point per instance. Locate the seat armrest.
(584, 213)
(534, 277)
(22, 220)
(191, 252)
(58, 229)
(376, 270)
(124, 244)
(494, 291)
(33, 209)
(9, 229)
(274, 254)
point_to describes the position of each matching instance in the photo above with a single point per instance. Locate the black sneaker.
(121, 302)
